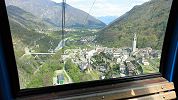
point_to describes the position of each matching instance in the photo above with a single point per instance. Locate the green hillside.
(148, 21)
(38, 42)
(30, 38)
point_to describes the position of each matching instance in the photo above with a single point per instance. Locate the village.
(128, 61)
(131, 60)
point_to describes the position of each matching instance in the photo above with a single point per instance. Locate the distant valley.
(107, 19)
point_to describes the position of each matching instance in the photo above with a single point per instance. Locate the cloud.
(105, 7)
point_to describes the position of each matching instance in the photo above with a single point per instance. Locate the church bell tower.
(134, 43)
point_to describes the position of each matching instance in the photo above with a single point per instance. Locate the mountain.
(26, 19)
(52, 13)
(27, 29)
(148, 21)
(107, 19)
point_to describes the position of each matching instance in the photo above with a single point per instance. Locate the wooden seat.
(148, 89)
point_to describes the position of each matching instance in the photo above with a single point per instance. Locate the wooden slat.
(96, 92)
(126, 93)
(118, 86)
(164, 96)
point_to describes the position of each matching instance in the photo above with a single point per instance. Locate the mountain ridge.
(51, 12)
(27, 20)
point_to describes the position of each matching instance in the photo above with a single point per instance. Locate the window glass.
(100, 39)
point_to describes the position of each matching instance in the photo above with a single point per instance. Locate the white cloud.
(104, 7)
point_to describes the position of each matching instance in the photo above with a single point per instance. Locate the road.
(69, 79)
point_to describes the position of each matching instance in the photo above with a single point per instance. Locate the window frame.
(6, 40)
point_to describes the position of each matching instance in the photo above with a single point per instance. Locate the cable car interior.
(88, 50)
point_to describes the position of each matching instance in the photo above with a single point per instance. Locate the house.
(83, 66)
(122, 68)
(144, 61)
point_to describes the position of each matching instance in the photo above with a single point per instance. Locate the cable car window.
(63, 42)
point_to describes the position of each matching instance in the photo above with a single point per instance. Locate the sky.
(104, 7)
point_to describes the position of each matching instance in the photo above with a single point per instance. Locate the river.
(61, 44)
